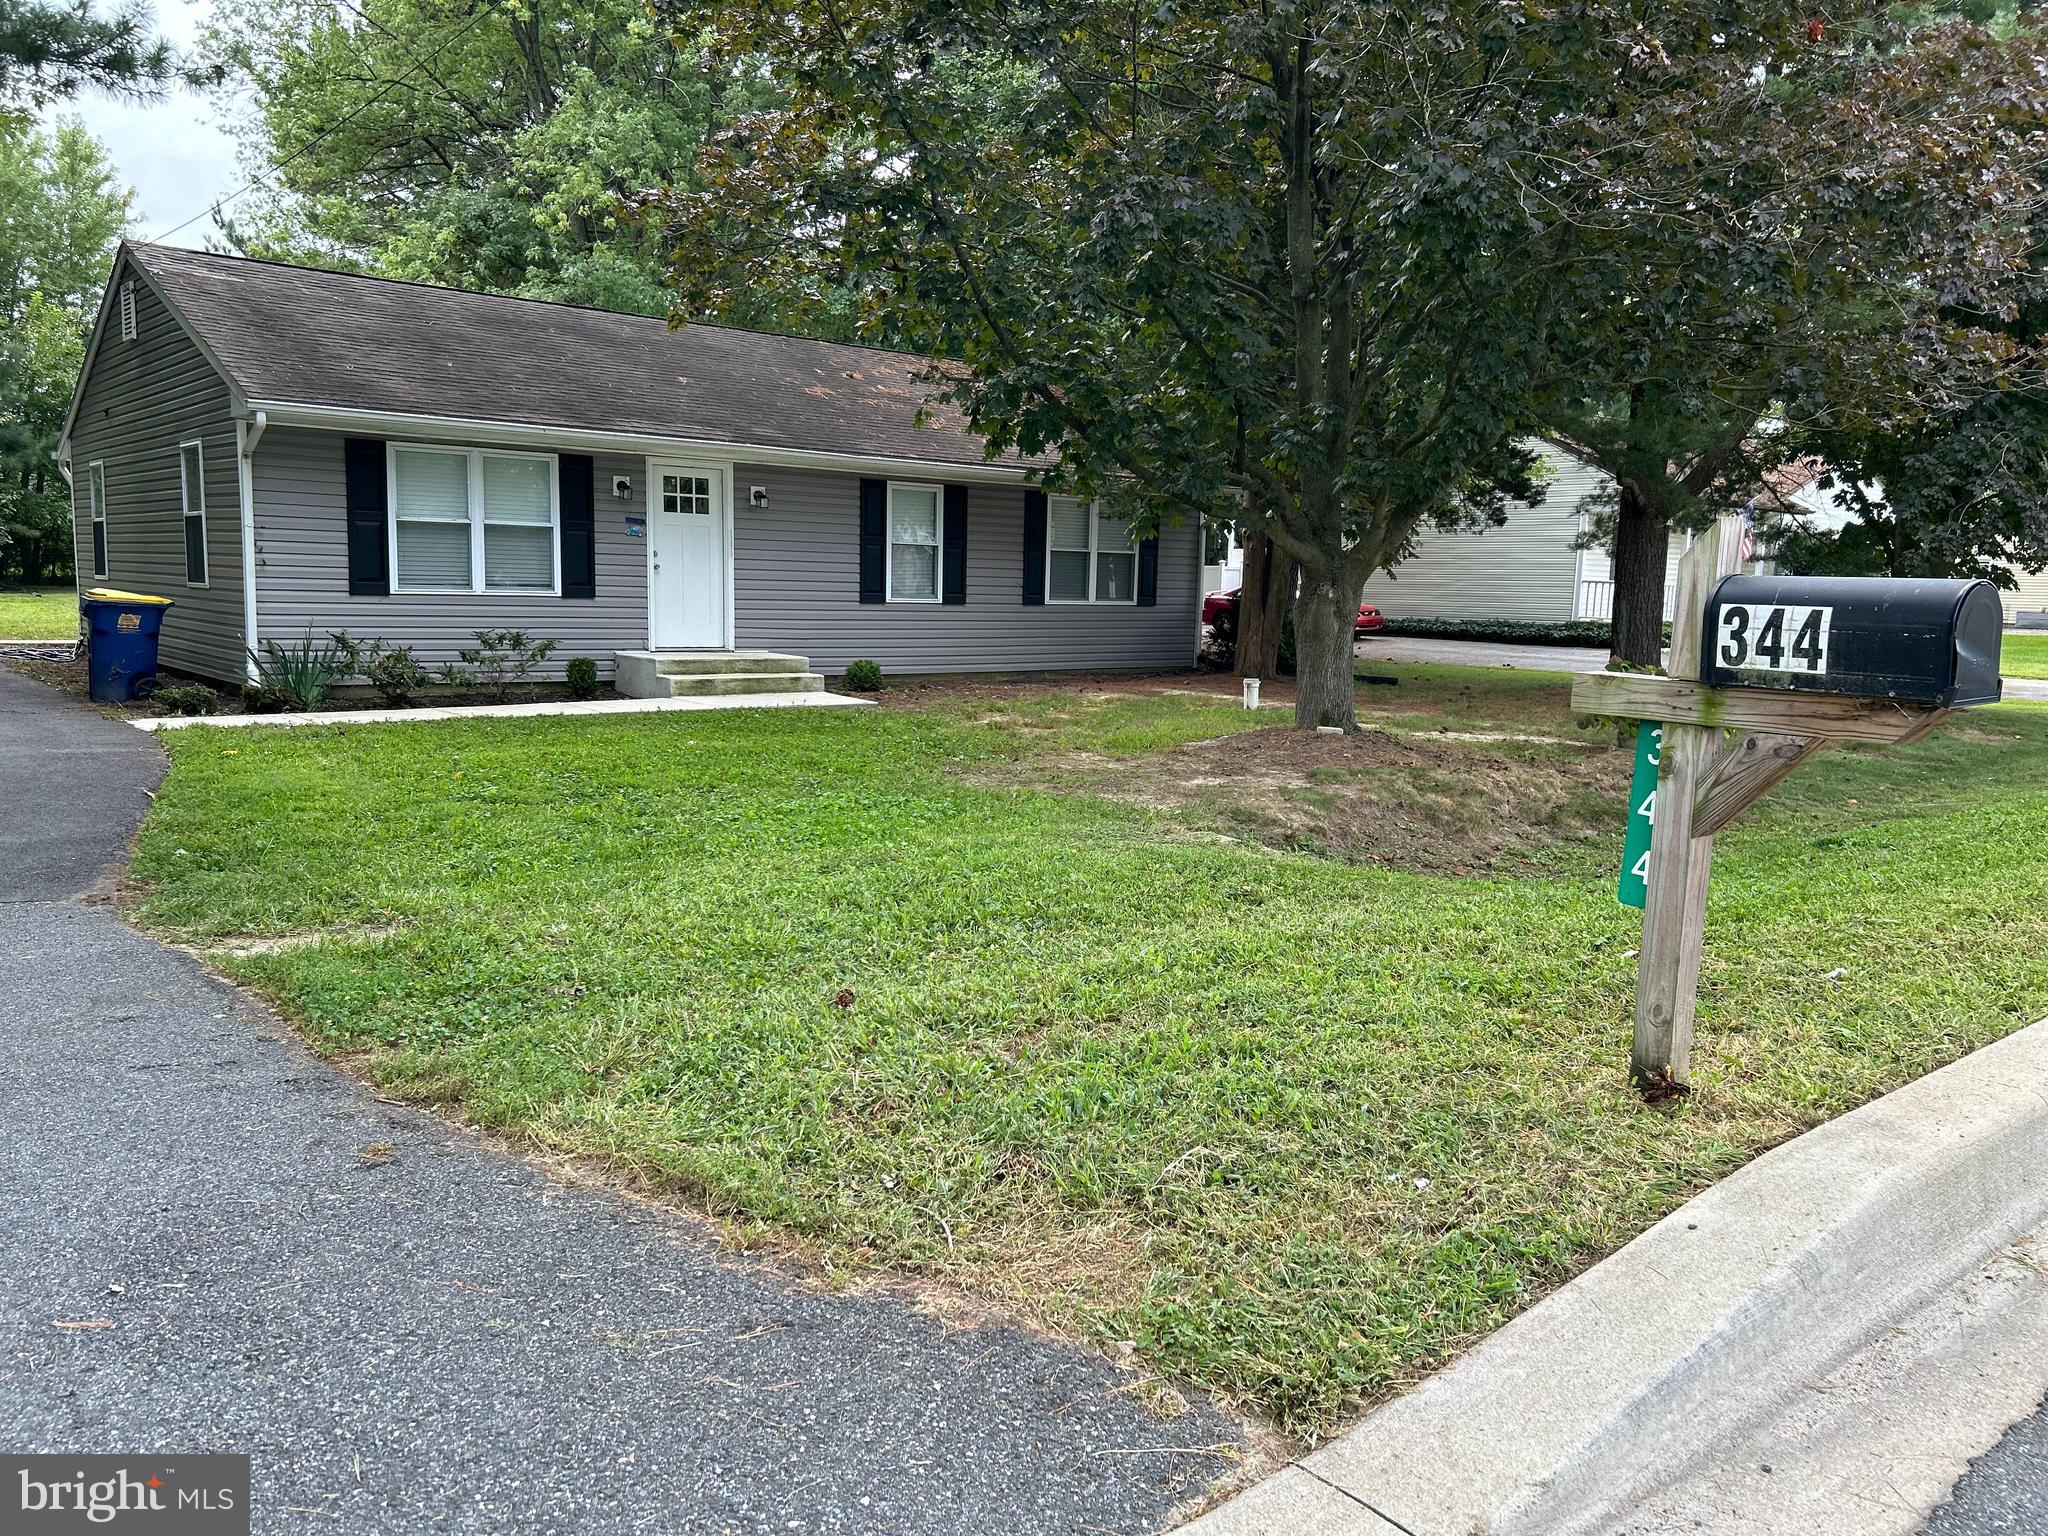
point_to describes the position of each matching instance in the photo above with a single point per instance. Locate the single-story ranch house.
(286, 451)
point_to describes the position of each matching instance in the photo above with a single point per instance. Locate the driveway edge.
(1593, 1397)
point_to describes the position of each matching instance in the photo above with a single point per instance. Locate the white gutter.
(285, 413)
(248, 433)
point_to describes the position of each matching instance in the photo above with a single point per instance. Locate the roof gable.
(306, 336)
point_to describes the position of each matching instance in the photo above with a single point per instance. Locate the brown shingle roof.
(306, 336)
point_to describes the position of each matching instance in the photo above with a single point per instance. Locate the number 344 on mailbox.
(1921, 642)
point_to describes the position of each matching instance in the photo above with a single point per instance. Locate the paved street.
(411, 1332)
(2005, 1492)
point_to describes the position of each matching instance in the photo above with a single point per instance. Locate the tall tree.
(490, 146)
(1855, 207)
(63, 214)
(1297, 258)
(51, 50)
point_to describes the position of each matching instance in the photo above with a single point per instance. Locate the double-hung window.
(915, 533)
(96, 494)
(192, 490)
(474, 520)
(1089, 558)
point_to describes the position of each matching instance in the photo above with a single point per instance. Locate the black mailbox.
(1921, 642)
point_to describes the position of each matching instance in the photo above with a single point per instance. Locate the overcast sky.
(175, 153)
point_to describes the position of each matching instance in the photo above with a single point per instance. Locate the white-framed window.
(129, 330)
(474, 520)
(1089, 558)
(916, 532)
(96, 498)
(192, 491)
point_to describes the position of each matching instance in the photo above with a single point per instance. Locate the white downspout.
(247, 436)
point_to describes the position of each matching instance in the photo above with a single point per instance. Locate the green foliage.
(300, 674)
(863, 676)
(493, 149)
(2024, 656)
(185, 699)
(1091, 1029)
(61, 212)
(500, 661)
(581, 676)
(1508, 631)
(264, 699)
(50, 51)
(393, 670)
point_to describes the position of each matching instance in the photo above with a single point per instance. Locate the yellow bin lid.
(113, 595)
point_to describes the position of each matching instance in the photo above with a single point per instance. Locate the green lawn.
(38, 613)
(1299, 1127)
(2024, 656)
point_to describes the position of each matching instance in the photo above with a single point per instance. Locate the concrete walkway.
(427, 712)
(411, 1332)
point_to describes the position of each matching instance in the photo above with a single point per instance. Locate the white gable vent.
(128, 311)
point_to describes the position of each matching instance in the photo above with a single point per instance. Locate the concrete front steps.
(711, 674)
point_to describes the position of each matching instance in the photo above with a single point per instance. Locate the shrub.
(185, 699)
(498, 662)
(262, 699)
(581, 675)
(863, 676)
(302, 673)
(392, 670)
(1511, 631)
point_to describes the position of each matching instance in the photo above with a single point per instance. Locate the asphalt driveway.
(412, 1332)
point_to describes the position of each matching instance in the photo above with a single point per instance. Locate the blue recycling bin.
(121, 630)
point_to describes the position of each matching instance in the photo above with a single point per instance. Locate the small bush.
(498, 662)
(392, 670)
(1507, 631)
(262, 699)
(185, 699)
(301, 673)
(863, 676)
(582, 677)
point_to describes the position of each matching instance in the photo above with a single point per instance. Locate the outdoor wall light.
(759, 496)
(622, 486)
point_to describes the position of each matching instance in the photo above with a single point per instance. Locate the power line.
(339, 123)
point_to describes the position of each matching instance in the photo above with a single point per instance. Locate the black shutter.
(1148, 572)
(369, 513)
(953, 552)
(1034, 548)
(874, 539)
(578, 473)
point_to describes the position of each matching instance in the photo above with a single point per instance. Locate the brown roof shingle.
(308, 336)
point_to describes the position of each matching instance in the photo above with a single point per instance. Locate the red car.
(1369, 621)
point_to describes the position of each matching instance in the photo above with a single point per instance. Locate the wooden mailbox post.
(1906, 667)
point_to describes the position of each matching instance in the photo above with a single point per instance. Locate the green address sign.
(1634, 890)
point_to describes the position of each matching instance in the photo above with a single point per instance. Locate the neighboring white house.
(1526, 569)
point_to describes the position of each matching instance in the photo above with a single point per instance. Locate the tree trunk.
(1325, 688)
(1642, 550)
(1263, 600)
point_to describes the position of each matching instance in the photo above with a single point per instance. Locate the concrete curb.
(811, 700)
(1591, 1398)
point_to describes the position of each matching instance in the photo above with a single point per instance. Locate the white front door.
(687, 555)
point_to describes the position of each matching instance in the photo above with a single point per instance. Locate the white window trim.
(476, 457)
(889, 541)
(1094, 548)
(131, 326)
(96, 498)
(186, 513)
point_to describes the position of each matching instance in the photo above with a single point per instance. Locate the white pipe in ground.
(1251, 693)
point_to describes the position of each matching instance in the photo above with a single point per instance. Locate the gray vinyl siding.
(141, 399)
(796, 587)
(302, 568)
(2030, 597)
(1526, 569)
